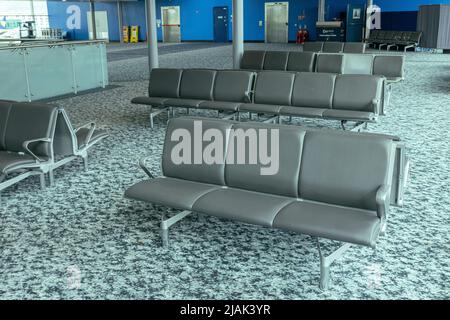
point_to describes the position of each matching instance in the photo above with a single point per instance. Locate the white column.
(152, 38)
(321, 10)
(368, 17)
(94, 27)
(238, 32)
(120, 20)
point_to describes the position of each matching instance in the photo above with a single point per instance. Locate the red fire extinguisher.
(302, 35)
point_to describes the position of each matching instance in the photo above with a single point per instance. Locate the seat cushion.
(253, 59)
(151, 101)
(220, 105)
(276, 60)
(164, 82)
(10, 161)
(260, 108)
(190, 103)
(302, 112)
(170, 192)
(301, 61)
(313, 90)
(330, 221)
(83, 133)
(349, 115)
(245, 206)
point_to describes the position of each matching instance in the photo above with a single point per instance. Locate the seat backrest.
(392, 67)
(414, 36)
(233, 85)
(183, 147)
(389, 35)
(288, 140)
(5, 109)
(29, 121)
(344, 168)
(315, 46)
(358, 64)
(382, 35)
(274, 87)
(354, 47)
(276, 60)
(301, 61)
(165, 83)
(405, 36)
(64, 142)
(253, 59)
(313, 90)
(358, 93)
(330, 63)
(333, 47)
(197, 84)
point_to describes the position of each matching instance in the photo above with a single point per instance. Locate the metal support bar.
(326, 261)
(231, 116)
(238, 32)
(272, 119)
(167, 223)
(155, 113)
(152, 39)
(94, 27)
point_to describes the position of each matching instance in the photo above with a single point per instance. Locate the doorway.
(171, 24)
(101, 25)
(276, 17)
(220, 16)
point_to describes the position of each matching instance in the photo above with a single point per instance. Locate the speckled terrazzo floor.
(83, 228)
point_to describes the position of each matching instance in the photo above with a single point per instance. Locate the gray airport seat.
(329, 184)
(333, 47)
(313, 46)
(253, 60)
(330, 63)
(358, 64)
(392, 67)
(276, 60)
(301, 61)
(354, 47)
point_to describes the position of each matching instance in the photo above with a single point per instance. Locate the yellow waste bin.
(126, 34)
(134, 37)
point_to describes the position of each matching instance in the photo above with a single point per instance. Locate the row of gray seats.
(334, 47)
(37, 138)
(330, 184)
(389, 66)
(391, 39)
(356, 98)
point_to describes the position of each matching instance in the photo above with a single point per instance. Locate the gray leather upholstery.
(358, 64)
(274, 87)
(344, 169)
(313, 90)
(248, 176)
(330, 63)
(276, 60)
(190, 103)
(9, 161)
(5, 108)
(392, 67)
(197, 84)
(357, 92)
(315, 46)
(233, 85)
(175, 193)
(301, 61)
(151, 101)
(253, 60)
(260, 108)
(165, 83)
(349, 115)
(213, 174)
(302, 112)
(330, 221)
(220, 105)
(354, 47)
(333, 47)
(83, 133)
(29, 121)
(240, 205)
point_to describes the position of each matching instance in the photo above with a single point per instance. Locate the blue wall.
(197, 20)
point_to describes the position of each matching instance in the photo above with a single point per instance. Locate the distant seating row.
(37, 138)
(330, 184)
(356, 98)
(389, 66)
(334, 47)
(390, 39)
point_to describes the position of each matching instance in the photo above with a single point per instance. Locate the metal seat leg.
(326, 261)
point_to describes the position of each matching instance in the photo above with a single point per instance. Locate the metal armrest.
(376, 106)
(25, 145)
(249, 96)
(144, 167)
(382, 201)
(91, 126)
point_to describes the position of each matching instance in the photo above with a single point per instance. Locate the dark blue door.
(220, 16)
(355, 23)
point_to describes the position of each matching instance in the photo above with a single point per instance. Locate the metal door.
(171, 23)
(220, 15)
(101, 25)
(276, 16)
(356, 20)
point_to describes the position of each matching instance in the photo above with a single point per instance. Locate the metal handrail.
(53, 44)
